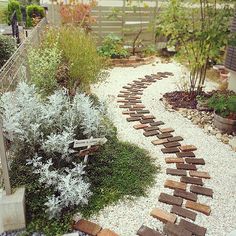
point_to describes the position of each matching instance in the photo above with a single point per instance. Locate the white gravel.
(126, 217)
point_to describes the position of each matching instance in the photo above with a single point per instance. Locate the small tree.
(200, 30)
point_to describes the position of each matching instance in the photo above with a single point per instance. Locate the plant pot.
(224, 74)
(224, 124)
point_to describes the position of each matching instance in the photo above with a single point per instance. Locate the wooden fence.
(120, 19)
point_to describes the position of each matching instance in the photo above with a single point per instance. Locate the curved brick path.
(179, 221)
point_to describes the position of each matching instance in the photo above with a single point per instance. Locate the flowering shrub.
(46, 128)
(43, 64)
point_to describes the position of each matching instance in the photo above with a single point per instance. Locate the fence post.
(5, 171)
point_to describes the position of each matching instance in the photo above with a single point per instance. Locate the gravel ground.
(126, 217)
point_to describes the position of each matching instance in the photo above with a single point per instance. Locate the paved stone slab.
(169, 199)
(184, 212)
(146, 121)
(159, 141)
(163, 216)
(195, 229)
(157, 123)
(131, 119)
(122, 96)
(188, 148)
(201, 190)
(185, 195)
(136, 115)
(140, 126)
(125, 92)
(200, 174)
(125, 106)
(145, 117)
(127, 87)
(135, 101)
(195, 161)
(175, 139)
(170, 150)
(165, 135)
(87, 227)
(185, 154)
(185, 166)
(170, 171)
(143, 112)
(128, 112)
(172, 144)
(170, 160)
(191, 180)
(146, 231)
(167, 130)
(176, 230)
(175, 184)
(198, 207)
(151, 128)
(135, 109)
(107, 232)
(122, 101)
(150, 133)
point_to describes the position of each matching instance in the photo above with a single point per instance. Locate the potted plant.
(224, 106)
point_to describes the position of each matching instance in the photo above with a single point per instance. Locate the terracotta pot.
(224, 124)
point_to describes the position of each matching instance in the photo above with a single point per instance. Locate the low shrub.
(14, 5)
(80, 55)
(112, 47)
(149, 50)
(33, 14)
(7, 48)
(3, 13)
(43, 66)
(223, 104)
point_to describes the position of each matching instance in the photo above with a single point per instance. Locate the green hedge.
(14, 5)
(33, 11)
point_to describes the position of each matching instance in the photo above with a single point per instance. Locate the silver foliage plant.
(50, 126)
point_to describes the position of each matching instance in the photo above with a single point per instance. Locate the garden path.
(126, 217)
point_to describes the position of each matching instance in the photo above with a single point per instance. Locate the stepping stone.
(151, 128)
(136, 115)
(134, 97)
(122, 96)
(188, 148)
(170, 150)
(190, 180)
(135, 101)
(175, 184)
(163, 216)
(125, 92)
(165, 135)
(175, 139)
(107, 232)
(145, 117)
(122, 101)
(195, 161)
(135, 109)
(201, 190)
(185, 154)
(131, 119)
(170, 160)
(146, 231)
(186, 166)
(87, 227)
(128, 112)
(143, 112)
(127, 87)
(125, 106)
(157, 123)
(146, 121)
(139, 106)
(195, 229)
(160, 141)
(183, 212)
(172, 144)
(150, 133)
(198, 207)
(140, 126)
(169, 199)
(176, 230)
(170, 171)
(185, 195)
(200, 174)
(167, 130)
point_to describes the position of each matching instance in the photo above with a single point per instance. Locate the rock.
(218, 135)
(232, 143)
(225, 139)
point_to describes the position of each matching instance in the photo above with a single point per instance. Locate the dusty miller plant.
(46, 128)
